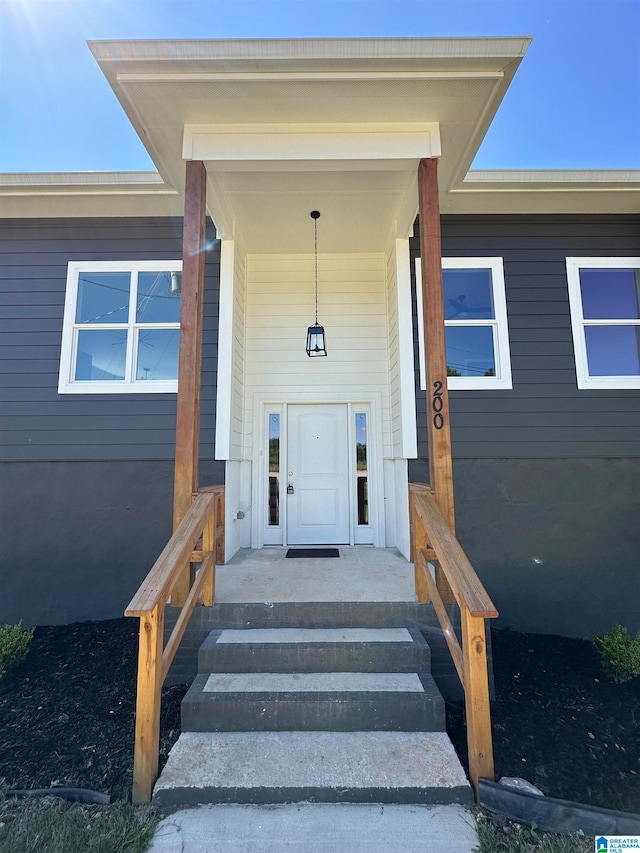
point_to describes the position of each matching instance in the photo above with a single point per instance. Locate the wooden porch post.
(190, 356)
(438, 424)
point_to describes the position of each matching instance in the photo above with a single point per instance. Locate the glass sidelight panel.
(362, 485)
(274, 471)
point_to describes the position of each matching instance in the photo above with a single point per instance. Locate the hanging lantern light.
(316, 344)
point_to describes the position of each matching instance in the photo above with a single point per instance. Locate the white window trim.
(502, 379)
(67, 384)
(578, 322)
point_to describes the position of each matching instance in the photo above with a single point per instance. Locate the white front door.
(317, 481)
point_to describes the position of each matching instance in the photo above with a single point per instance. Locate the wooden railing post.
(209, 546)
(476, 687)
(438, 423)
(190, 356)
(419, 546)
(147, 743)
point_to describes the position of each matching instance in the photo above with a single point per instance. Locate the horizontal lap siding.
(545, 415)
(37, 423)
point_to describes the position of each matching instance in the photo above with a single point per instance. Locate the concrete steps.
(339, 701)
(315, 650)
(323, 714)
(321, 767)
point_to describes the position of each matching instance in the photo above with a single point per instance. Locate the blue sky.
(575, 102)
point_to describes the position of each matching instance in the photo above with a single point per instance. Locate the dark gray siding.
(78, 538)
(86, 481)
(37, 423)
(546, 477)
(545, 415)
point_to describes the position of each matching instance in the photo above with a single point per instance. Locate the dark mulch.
(67, 711)
(560, 723)
(66, 715)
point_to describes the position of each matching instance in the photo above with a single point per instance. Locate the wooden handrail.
(462, 578)
(205, 519)
(432, 541)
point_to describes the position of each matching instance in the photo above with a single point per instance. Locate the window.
(121, 327)
(362, 485)
(604, 295)
(475, 318)
(273, 498)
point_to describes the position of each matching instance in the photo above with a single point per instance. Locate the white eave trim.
(84, 183)
(543, 180)
(287, 54)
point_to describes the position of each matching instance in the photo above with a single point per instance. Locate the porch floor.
(359, 574)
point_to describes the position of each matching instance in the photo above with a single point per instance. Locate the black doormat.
(313, 552)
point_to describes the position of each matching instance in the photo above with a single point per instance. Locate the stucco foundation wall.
(78, 538)
(556, 542)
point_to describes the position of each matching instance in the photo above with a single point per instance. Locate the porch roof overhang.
(285, 126)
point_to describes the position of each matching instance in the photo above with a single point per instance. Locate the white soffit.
(281, 124)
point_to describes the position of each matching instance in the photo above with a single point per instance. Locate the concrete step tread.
(315, 766)
(318, 828)
(313, 682)
(314, 635)
(315, 650)
(253, 703)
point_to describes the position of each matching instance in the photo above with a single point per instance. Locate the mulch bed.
(560, 723)
(67, 711)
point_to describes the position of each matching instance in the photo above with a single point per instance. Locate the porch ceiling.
(288, 126)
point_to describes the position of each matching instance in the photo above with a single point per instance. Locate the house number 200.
(437, 404)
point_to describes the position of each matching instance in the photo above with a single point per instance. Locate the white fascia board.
(83, 183)
(314, 142)
(278, 54)
(515, 180)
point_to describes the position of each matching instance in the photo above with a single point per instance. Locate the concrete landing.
(317, 828)
(316, 766)
(359, 574)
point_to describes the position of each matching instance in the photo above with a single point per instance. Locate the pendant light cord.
(315, 227)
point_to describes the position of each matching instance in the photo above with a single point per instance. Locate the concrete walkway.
(317, 828)
(358, 574)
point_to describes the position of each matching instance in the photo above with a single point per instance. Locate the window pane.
(613, 350)
(610, 294)
(101, 354)
(470, 351)
(468, 294)
(103, 297)
(156, 302)
(274, 470)
(157, 354)
(361, 469)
